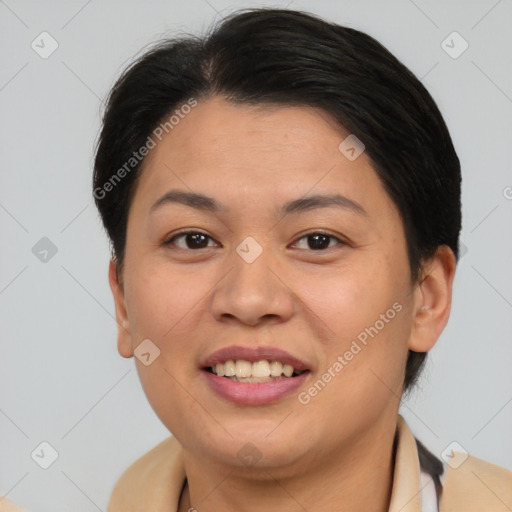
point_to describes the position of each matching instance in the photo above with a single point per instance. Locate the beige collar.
(406, 491)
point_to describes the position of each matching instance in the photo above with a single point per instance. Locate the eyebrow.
(206, 203)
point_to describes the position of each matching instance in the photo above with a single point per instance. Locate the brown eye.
(192, 240)
(318, 241)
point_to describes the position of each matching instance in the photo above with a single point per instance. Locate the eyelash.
(171, 240)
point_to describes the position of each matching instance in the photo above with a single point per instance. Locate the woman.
(283, 203)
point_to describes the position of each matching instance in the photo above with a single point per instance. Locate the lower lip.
(257, 393)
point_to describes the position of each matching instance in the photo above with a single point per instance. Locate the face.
(328, 283)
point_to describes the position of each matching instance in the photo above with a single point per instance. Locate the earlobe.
(433, 298)
(124, 338)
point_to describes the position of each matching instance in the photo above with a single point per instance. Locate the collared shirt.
(429, 502)
(155, 481)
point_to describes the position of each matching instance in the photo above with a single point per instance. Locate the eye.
(192, 239)
(316, 240)
(319, 240)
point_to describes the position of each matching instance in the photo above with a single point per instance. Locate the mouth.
(254, 376)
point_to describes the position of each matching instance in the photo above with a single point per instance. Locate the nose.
(252, 293)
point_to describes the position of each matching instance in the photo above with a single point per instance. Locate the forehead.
(259, 153)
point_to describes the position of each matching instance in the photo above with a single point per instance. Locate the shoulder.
(152, 460)
(146, 481)
(473, 484)
(8, 506)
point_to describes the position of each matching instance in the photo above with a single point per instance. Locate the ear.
(124, 338)
(433, 299)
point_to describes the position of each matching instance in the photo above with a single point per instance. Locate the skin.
(312, 303)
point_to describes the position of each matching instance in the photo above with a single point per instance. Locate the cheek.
(163, 302)
(351, 297)
(165, 307)
(362, 377)
(366, 308)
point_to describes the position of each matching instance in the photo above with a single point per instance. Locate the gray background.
(62, 380)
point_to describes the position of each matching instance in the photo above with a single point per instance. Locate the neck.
(357, 477)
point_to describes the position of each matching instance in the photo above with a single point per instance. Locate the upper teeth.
(243, 368)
